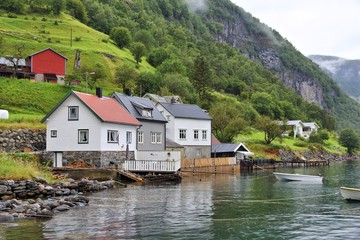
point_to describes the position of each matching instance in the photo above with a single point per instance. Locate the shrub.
(44, 19)
(300, 144)
(11, 15)
(77, 39)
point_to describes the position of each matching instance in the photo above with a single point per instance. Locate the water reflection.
(245, 206)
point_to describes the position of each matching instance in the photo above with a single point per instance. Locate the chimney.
(99, 92)
(128, 91)
(173, 100)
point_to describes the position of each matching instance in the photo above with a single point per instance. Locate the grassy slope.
(28, 102)
(38, 35)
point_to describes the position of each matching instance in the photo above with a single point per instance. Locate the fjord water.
(243, 206)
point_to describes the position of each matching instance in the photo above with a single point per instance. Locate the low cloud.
(197, 5)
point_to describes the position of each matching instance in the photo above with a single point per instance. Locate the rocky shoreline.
(21, 199)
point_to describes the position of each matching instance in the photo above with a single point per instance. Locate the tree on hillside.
(349, 139)
(227, 122)
(121, 36)
(16, 56)
(138, 50)
(57, 6)
(12, 6)
(126, 75)
(92, 74)
(201, 76)
(148, 82)
(272, 129)
(77, 9)
(158, 56)
(177, 84)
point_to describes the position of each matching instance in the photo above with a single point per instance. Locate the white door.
(58, 159)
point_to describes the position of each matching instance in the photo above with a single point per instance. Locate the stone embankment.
(21, 139)
(289, 156)
(21, 199)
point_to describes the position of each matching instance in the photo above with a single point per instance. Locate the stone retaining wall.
(21, 139)
(26, 198)
(31, 189)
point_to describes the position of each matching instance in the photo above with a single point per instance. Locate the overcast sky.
(325, 27)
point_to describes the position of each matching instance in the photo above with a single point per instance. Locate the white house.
(90, 128)
(309, 128)
(189, 126)
(296, 126)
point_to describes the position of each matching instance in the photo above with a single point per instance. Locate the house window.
(83, 136)
(182, 134)
(204, 134)
(73, 113)
(53, 133)
(140, 137)
(146, 113)
(112, 136)
(155, 138)
(196, 134)
(128, 137)
(198, 152)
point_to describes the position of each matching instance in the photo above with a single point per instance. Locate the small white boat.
(298, 177)
(350, 194)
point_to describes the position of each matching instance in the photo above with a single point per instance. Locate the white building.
(189, 126)
(94, 129)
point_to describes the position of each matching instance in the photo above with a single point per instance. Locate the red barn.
(48, 66)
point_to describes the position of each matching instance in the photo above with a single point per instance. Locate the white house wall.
(67, 131)
(170, 134)
(190, 125)
(122, 129)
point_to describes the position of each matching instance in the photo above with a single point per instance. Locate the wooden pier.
(304, 163)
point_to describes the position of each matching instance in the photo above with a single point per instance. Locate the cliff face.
(259, 43)
(345, 72)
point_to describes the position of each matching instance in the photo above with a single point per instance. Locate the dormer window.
(145, 111)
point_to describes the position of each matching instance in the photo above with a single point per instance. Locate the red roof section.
(107, 109)
(214, 140)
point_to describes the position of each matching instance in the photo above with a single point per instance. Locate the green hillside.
(40, 32)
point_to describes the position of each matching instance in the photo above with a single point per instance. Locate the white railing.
(154, 161)
(152, 165)
(158, 155)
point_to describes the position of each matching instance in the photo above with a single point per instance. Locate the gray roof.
(170, 143)
(294, 122)
(228, 147)
(186, 111)
(132, 102)
(311, 124)
(4, 61)
(157, 98)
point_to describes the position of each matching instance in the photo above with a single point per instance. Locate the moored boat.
(298, 177)
(350, 194)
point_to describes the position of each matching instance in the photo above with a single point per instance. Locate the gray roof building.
(189, 111)
(140, 108)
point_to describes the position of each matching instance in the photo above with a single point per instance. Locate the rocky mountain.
(266, 46)
(345, 72)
